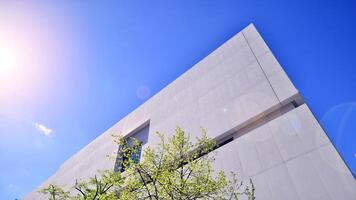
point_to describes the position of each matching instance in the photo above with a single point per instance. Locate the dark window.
(142, 136)
(227, 140)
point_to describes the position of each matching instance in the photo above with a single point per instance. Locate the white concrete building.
(240, 95)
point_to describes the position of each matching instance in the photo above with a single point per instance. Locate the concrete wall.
(238, 91)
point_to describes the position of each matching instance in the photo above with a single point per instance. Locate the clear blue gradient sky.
(81, 66)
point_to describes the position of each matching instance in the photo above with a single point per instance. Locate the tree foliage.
(55, 192)
(176, 168)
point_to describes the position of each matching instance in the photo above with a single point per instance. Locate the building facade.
(242, 97)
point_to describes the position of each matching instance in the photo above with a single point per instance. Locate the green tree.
(176, 168)
(55, 192)
(99, 188)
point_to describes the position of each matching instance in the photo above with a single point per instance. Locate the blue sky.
(77, 67)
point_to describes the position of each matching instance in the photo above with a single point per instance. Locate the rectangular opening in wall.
(224, 141)
(141, 136)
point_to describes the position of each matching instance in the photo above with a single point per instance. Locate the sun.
(8, 60)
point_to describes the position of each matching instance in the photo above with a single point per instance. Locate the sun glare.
(14, 54)
(8, 59)
(32, 48)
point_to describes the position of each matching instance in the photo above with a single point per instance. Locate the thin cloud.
(43, 129)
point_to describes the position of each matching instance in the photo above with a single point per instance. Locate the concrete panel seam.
(318, 175)
(306, 152)
(332, 144)
(248, 44)
(288, 160)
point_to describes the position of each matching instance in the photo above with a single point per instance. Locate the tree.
(99, 188)
(176, 168)
(55, 192)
